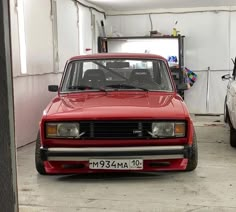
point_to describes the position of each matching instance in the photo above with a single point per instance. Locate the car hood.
(117, 105)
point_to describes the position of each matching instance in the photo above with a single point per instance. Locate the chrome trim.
(116, 149)
(146, 157)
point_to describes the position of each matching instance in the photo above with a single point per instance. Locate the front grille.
(115, 129)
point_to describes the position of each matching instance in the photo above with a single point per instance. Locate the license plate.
(116, 164)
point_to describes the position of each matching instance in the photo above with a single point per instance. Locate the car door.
(231, 97)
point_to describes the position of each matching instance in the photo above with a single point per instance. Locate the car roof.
(117, 55)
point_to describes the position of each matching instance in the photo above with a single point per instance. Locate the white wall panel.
(113, 25)
(217, 92)
(30, 92)
(15, 40)
(87, 41)
(38, 35)
(68, 31)
(197, 99)
(135, 25)
(232, 37)
(85, 32)
(31, 97)
(207, 40)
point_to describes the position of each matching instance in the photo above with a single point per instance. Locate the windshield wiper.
(126, 86)
(85, 87)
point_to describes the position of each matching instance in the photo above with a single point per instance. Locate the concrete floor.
(211, 187)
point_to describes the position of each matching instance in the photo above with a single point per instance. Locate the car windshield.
(116, 74)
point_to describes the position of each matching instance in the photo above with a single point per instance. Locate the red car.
(116, 113)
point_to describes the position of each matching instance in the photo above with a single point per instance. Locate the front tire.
(39, 165)
(232, 136)
(193, 160)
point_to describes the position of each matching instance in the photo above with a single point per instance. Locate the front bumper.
(144, 152)
(76, 160)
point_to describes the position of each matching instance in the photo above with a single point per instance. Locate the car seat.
(140, 76)
(94, 78)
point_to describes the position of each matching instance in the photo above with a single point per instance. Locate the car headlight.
(168, 129)
(62, 130)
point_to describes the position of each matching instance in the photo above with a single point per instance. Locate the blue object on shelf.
(172, 59)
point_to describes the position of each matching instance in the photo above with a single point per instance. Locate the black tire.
(226, 112)
(232, 137)
(193, 160)
(39, 165)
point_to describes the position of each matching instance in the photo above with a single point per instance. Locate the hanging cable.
(175, 13)
(150, 18)
(90, 7)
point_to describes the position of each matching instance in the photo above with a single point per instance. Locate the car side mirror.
(53, 88)
(226, 77)
(182, 86)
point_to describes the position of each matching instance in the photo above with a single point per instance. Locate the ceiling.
(134, 5)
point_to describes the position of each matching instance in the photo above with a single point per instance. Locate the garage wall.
(51, 37)
(209, 44)
(68, 31)
(30, 89)
(90, 22)
(232, 37)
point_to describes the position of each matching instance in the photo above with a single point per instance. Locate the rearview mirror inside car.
(53, 88)
(226, 77)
